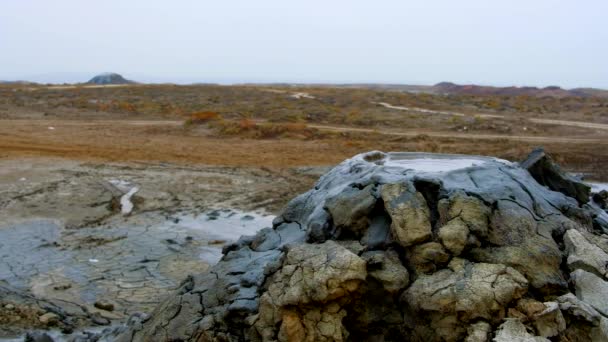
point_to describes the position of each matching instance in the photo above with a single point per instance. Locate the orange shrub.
(246, 124)
(199, 118)
(127, 107)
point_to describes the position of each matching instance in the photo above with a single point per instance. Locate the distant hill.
(553, 91)
(450, 88)
(109, 78)
(18, 82)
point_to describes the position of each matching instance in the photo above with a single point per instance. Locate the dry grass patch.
(249, 128)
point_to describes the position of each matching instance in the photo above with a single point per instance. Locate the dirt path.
(298, 95)
(581, 124)
(430, 111)
(534, 139)
(570, 123)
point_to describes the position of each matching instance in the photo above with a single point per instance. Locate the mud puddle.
(220, 227)
(597, 187)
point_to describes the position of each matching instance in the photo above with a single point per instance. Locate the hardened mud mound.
(408, 247)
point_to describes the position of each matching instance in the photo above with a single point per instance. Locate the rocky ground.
(87, 244)
(393, 247)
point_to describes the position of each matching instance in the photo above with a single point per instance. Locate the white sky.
(516, 42)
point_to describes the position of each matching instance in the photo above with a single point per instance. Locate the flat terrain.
(283, 127)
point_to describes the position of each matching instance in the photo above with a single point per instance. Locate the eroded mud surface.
(69, 248)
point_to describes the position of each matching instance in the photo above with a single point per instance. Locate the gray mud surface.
(66, 245)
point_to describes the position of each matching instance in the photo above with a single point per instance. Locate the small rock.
(550, 322)
(353, 246)
(387, 269)
(38, 337)
(49, 318)
(9, 306)
(138, 318)
(546, 172)
(601, 198)
(584, 255)
(426, 258)
(96, 318)
(350, 209)
(409, 213)
(469, 210)
(62, 287)
(514, 313)
(317, 272)
(513, 330)
(478, 332)
(600, 333)
(591, 289)
(530, 307)
(471, 290)
(454, 235)
(572, 306)
(311, 274)
(247, 218)
(85, 336)
(104, 305)
(377, 235)
(292, 328)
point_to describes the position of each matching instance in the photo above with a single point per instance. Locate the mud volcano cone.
(409, 247)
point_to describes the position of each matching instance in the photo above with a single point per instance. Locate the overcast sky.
(515, 42)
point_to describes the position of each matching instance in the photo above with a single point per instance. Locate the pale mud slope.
(73, 235)
(416, 247)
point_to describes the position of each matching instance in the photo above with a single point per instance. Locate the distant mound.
(109, 78)
(553, 91)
